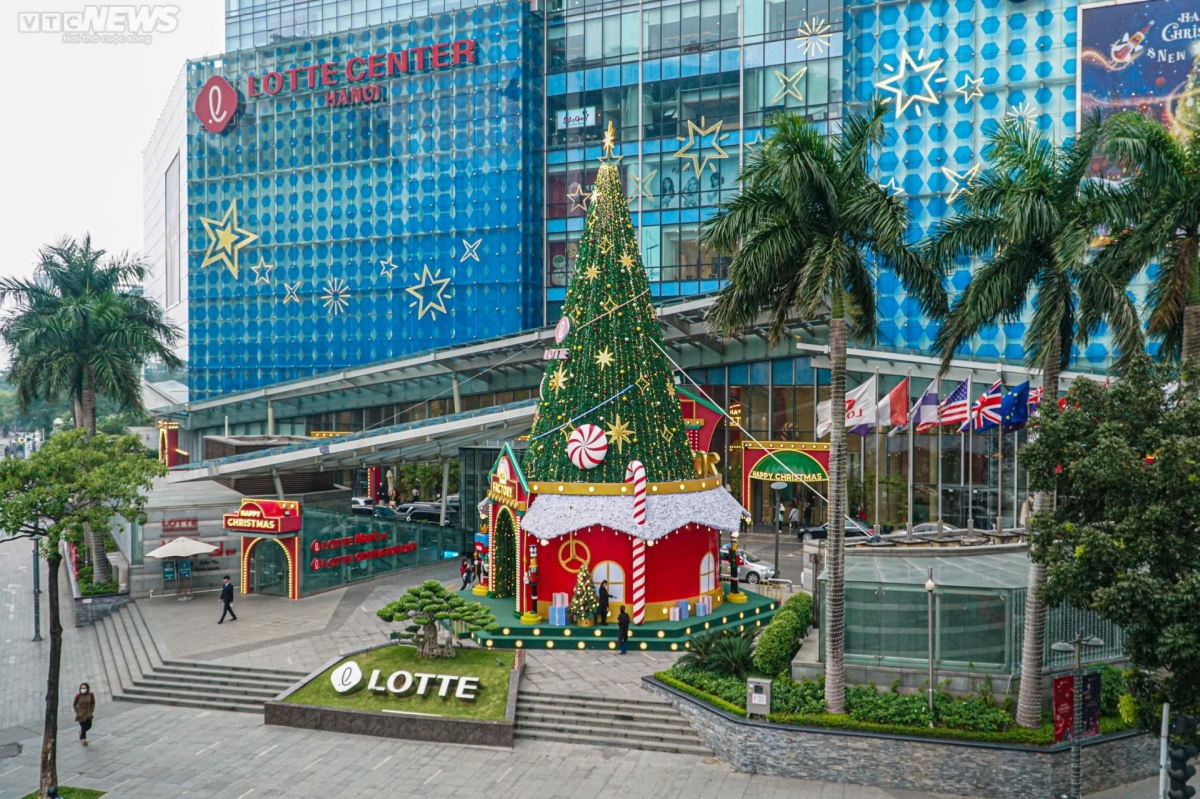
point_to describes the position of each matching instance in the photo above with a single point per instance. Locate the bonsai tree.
(584, 604)
(424, 607)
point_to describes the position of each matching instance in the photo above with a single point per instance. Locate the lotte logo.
(216, 104)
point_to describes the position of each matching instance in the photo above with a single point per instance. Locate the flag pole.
(911, 476)
(938, 460)
(970, 460)
(878, 525)
(1000, 455)
(1015, 450)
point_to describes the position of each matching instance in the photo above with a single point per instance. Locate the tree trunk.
(834, 630)
(87, 409)
(1191, 335)
(101, 571)
(1029, 700)
(49, 774)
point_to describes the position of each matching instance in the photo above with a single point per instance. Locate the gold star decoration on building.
(604, 359)
(335, 296)
(643, 383)
(225, 240)
(750, 145)
(430, 293)
(579, 198)
(892, 188)
(693, 145)
(609, 143)
(814, 37)
(471, 250)
(262, 272)
(591, 273)
(627, 261)
(961, 182)
(291, 292)
(641, 184)
(897, 84)
(970, 88)
(386, 268)
(620, 434)
(789, 85)
(559, 378)
(1023, 114)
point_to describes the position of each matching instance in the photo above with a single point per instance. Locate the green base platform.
(653, 635)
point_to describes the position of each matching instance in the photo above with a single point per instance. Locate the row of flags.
(1007, 409)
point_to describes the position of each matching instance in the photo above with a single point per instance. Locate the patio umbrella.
(178, 549)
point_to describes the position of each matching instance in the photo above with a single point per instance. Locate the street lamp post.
(1077, 646)
(777, 487)
(37, 589)
(930, 587)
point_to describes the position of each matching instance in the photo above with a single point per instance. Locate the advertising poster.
(1142, 56)
(1091, 705)
(1064, 707)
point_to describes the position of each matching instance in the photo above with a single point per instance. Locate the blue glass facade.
(324, 237)
(689, 84)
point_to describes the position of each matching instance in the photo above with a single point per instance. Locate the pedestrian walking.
(793, 518)
(85, 708)
(464, 570)
(808, 509)
(623, 629)
(227, 600)
(602, 613)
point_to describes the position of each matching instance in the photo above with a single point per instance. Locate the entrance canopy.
(789, 466)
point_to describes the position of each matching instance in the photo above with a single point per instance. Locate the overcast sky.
(79, 115)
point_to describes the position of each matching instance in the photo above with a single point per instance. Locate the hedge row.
(779, 642)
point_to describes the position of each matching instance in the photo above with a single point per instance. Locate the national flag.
(955, 408)
(891, 412)
(985, 413)
(1014, 408)
(925, 413)
(1035, 399)
(860, 409)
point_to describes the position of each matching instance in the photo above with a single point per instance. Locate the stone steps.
(629, 723)
(137, 672)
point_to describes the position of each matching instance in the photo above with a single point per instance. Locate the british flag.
(985, 413)
(954, 408)
(1035, 399)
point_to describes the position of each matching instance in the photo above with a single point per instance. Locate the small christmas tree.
(425, 607)
(584, 604)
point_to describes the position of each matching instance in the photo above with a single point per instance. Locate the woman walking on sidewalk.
(85, 707)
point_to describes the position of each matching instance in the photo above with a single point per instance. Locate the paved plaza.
(157, 751)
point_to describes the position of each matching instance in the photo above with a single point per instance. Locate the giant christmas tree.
(616, 375)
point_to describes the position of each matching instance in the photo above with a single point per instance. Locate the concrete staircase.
(137, 672)
(603, 721)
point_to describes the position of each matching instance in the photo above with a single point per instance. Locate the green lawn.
(490, 702)
(72, 793)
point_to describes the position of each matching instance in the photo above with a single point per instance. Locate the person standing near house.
(623, 629)
(464, 571)
(602, 613)
(416, 495)
(793, 519)
(227, 600)
(85, 708)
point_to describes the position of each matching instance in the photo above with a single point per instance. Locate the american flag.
(985, 413)
(954, 408)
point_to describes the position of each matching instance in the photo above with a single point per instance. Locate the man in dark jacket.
(602, 612)
(227, 599)
(623, 629)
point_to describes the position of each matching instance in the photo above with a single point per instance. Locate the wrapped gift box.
(674, 614)
(558, 616)
(683, 607)
(560, 600)
(704, 606)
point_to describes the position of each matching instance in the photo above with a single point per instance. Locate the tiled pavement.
(157, 751)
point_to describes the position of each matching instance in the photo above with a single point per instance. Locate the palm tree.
(806, 233)
(1031, 217)
(1165, 190)
(77, 330)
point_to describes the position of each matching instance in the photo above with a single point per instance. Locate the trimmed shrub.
(778, 643)
(801, 604)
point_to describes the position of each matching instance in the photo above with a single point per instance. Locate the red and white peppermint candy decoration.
(587, 446)
(636, 473)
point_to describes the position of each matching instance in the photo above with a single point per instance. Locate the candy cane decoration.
(639, 580)
(636, 473)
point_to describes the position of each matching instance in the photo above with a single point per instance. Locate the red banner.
(1064, 707)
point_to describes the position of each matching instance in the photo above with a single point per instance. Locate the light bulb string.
(569, 422)
(735, 423)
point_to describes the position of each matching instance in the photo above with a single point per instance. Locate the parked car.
(751, 568)
(362, 506)
(432, 515)
(854, 528)
(385, 512)
(932, 527)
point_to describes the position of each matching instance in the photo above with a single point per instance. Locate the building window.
(708, 572)
(611, 571)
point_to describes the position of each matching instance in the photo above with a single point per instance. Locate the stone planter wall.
(88, 609)
(997, 771)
